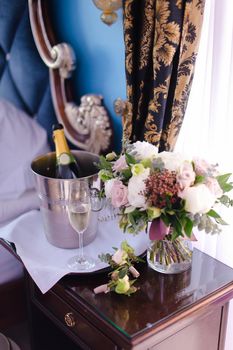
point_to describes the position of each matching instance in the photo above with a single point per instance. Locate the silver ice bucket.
(53, 194)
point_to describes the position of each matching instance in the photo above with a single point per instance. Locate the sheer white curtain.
(207, 130)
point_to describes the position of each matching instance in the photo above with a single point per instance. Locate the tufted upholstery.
(24, 79)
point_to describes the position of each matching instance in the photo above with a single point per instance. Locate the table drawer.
(73, 321)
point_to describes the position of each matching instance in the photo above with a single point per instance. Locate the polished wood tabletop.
(160, 297)
(166, 310)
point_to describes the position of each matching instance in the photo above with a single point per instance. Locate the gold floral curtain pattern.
(161, 41)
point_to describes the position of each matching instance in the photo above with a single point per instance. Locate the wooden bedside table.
(185, 311)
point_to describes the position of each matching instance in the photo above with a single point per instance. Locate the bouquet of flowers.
(167, 189)
(121, 263)
(167, 194)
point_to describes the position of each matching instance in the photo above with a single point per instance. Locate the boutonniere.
(123, 274)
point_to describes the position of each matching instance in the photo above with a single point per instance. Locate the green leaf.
(171, 212)
(213, 214)
(146, 163)
(176, 224)
(222, 180)
(122, 273)
(175, 234)
(199, 179)
(104, 164)
(188, 227)
(132, 282)
(225, 200)
(126, 173)
(126, 247)
(105, 257)
(140, 260)
(165, 220)
(132, 219)
(130, 159)
(227, 188)
(131, 229)
(221, 221)
(168, 202)
(105, 175)
(128, 210)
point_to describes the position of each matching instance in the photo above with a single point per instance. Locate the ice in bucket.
(53, 194)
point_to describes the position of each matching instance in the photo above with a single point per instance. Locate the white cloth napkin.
(48, 264)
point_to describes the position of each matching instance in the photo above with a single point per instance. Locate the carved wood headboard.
(88, 126)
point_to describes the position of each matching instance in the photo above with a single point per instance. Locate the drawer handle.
(69, 319)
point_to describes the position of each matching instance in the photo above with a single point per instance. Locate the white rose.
(198, 199)
(108, 185)
(172, 161)
(136, 188)
(144, 150)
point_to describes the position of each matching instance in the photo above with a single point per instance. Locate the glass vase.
(167, 256)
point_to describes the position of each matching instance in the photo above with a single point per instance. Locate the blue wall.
(99, 51)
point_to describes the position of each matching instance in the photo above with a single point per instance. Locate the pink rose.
(214, 187)
(102, 289)
(134, 272)
(119, 194)
(118, 257)
(201, 166)
(120, 164)
(186, 176)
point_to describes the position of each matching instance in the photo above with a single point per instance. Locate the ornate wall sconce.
(108, 8)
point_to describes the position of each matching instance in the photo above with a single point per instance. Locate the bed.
(26, 116)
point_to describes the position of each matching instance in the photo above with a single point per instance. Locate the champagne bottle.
(66, 164)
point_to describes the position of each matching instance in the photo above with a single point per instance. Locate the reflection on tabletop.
(159, 296)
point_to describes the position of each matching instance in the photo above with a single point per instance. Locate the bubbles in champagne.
(79, 216)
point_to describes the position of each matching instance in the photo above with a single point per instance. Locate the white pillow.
(21, 140)
(11, 208)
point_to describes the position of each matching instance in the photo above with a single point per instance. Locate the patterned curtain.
(161, 40)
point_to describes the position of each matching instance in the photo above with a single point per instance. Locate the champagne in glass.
(79, 207)
(79, 217)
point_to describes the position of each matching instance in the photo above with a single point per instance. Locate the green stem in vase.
(179, 250)
(172, 252)
(153, 251)
(168, 256)
(183, 251)
(160, 251)
(167, 252)
(187, 251)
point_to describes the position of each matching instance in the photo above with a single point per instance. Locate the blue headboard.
(24, 78)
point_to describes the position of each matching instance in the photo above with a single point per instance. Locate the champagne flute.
(79, 208)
